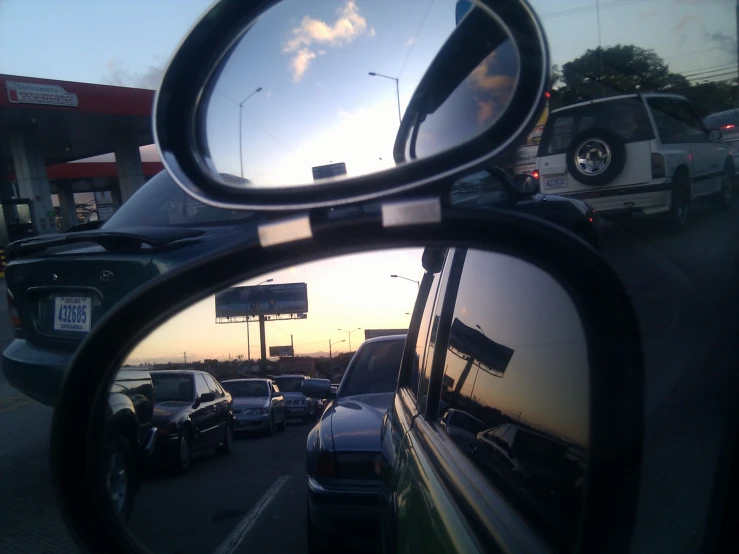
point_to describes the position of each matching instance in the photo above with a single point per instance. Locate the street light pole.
(350, 336)
(418, 283)
(397, 88)
(248, 338)
(241, 109)
(330, 344)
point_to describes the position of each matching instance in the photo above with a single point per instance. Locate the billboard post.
(262, 344)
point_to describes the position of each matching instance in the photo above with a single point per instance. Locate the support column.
(67, 206)
(33, 183)
(130, 168)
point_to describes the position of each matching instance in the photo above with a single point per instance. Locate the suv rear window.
(161, 203)
(626, 117)
(719, 120)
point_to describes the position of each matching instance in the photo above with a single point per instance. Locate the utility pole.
(262, 343)
(292, 351)
(184, 354)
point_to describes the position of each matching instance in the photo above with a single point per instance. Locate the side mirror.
(715, 134)
(207, 397)
(317, 388)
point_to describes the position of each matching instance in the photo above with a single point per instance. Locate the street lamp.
(397, 88)
(248, 337)
(350, 336)
(241, 109)
(330, 344)
(418, 283)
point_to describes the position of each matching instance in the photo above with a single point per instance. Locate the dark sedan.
(343, 460)
(192, 413)
(60, 285)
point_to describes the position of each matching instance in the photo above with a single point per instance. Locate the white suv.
(640, 152)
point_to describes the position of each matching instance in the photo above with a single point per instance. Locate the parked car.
(60, 285)
(641, 152)
(494, 188)
(297, 405)
(130, 437)
(343, 458)
(462, 428)
(726, 123)
(193, 413)
(481, 356)
(258, 405)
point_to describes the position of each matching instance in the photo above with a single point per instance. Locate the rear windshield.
(626, 117)
(246, 389)
(161, 203)
(375, 369)
(290, 384)
(716, 121)
(172, 388)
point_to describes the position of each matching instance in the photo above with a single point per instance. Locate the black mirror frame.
(186, 87)
(614, 351)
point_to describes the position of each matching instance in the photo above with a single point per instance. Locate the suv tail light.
(326, 465)
(658, 166)
(535, 174)
(15, 319)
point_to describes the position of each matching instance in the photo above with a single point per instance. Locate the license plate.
(72, 313)
(558, 181)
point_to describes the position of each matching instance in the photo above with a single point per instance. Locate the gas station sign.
(33, 93)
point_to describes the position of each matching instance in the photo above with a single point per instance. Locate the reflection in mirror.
(316, 90)
(223, 414)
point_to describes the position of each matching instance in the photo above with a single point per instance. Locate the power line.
(415, 38)
(692, 53)
(716, 68)
(267, 132)
(590, 9)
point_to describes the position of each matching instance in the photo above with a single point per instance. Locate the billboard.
(279, 351)
(290, 298)
(372, 333)
(328, 171)
(486, 352)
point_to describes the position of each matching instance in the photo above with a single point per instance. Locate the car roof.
(289, 375)
(384, 338)
(723, 113)
(180, 371)
(245, 379)
(620, 97)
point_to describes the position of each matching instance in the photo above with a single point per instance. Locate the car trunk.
(64, 282)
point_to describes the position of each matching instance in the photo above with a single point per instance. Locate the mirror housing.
(317, 388)
(207, 397)
(714, 134)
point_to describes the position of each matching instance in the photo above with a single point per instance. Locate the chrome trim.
(151, 441)
(316, 488)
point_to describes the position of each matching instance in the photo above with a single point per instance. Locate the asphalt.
(684, 289)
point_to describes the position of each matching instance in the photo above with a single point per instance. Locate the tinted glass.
(517, 354)
(627, 118)
(172, 387)
(212, 385)
(161, 203)
(374, 369)
(246, 389)
(676, 121)
(481, 187)
(289, 384)
(417, 366)
(201, 387)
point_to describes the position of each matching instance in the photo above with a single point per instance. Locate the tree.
(620, 69)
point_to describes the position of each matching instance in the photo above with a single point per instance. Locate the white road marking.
(244, 526)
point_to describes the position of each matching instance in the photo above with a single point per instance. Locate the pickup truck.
(130, 437)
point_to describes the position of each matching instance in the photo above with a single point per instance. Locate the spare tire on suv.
(596, 156)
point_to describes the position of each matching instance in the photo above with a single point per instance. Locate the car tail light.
(535, 174)
(658, 166)
(15, 319)
(728, 126)
(326, 465)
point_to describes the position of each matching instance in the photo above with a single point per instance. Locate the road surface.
(684, 288)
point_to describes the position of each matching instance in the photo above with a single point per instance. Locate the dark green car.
(481, 455)
(60, 285)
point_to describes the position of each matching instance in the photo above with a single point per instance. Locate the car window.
(290, 384)
(246, 389)
(510, 363)
(213, 385)
(676, 122)
(374, 369)
(481, 187)
(201, 387)
(417, 364)
(275, 389)
(626, 117)
(172, 387)
(160, 202)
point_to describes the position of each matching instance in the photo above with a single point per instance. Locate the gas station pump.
(15, 220)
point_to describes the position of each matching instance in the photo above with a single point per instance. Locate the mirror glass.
(315, 91)
(213, 447)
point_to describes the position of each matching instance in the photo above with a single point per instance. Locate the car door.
(204, 418)
(497, 356)
(222, 408)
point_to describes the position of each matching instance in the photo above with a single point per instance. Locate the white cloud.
(372, 32)
(410, 41)
(120, 75)
(348, 26)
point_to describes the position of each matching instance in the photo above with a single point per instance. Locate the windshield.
(627, 117)
(246, 389)
(161, 203)
(172, 388)
(374, 369)
(290, 384)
